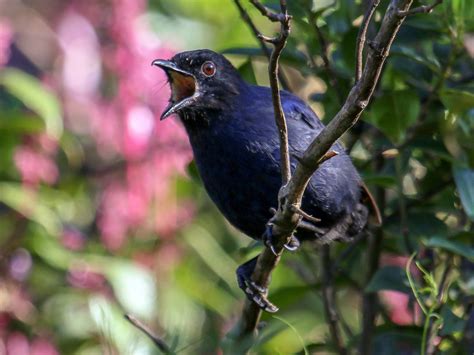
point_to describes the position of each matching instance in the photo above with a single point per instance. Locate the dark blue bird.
(235, 142)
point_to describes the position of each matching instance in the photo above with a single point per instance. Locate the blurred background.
(102, 212)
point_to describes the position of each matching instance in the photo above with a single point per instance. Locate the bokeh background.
(102, 212)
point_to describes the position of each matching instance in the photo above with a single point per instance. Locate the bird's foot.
(268, 240)
(254, 292)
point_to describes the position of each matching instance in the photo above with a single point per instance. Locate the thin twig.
(329, 300)
(370, 301)
(280, 44)
(258, 35)
(148, 332)
(272, 16)
(331, 73)
(443, 285)
(361, 37)
(426, 9)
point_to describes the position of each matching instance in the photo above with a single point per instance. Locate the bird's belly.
(244, 188)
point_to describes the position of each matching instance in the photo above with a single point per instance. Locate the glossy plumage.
(235, 141)
(236, 149)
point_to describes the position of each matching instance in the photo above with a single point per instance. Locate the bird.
(235, 142)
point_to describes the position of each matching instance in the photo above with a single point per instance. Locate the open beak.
(183, 87)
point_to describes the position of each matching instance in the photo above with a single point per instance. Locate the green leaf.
(380, 180)
(464, 179)
(36, 97)
(391, 340)
(452, 246)
(19, 199)
(247, 73)
(457, 101)
(17, 122)
(451, 322)
(394, 112)
(389, 278)
(129, 280)
(410, 53)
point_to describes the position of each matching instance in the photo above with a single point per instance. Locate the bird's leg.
(268, 240)
(254, 292)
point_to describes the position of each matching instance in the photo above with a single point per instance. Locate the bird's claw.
(268, 237)
(257, 294)
(262, 301)
(253, 291)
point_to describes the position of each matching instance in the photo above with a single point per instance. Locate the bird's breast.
(240, 175)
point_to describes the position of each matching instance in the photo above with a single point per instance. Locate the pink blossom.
(6, 35)
(34, 166)
(41, 346)
(83, 276)
(81, 71)
(401, 310)
(17, 343)
(124, 125)
(20, 264)
(73, 239)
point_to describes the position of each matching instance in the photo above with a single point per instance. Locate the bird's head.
(199, 80)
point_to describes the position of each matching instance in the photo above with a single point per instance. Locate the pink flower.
(124, 125)
(73, 239)
(34, 166)
(41, 346)
(83, 276)
(18, 344)
(6, 35)
(401, 310)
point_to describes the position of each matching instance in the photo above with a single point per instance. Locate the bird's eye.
(208, 68)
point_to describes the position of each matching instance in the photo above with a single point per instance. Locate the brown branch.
(258, 35)
(370, 301)
(329, 300)
(272, 16)
(160, 344)
(361, 36)
(426, 9)
(279, 45)
(331, 73)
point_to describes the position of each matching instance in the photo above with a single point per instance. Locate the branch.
(160, 344)
(331, 73)
(266, 51)
(426, 9)
(279, 44)
(370, 301)
(361, 36)
(286, 220)
(272, 16)
(330, 302)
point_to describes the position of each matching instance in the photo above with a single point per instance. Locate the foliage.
(102, 213)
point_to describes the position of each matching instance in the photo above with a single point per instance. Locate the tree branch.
(331, 73)
(258, 35)
(160, 344)
(329, 301)
(279, 44)
(272, 16)
(361, 36)
(286, 220)
(370, 301)
(420, 10)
